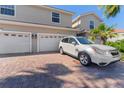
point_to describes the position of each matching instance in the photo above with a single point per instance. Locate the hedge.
(117, 44)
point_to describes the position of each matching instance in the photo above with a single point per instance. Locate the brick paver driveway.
(55, 70)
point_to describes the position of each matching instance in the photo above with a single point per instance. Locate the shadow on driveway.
(111, 75)
(46, 79)
(80, 76)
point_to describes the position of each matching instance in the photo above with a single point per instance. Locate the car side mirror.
(74, 43)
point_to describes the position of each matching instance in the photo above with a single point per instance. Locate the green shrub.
(118, 44)
(122, 56)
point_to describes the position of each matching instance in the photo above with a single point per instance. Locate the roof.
(86, 14)
(57, 9)
(35, 25)
(118, 30)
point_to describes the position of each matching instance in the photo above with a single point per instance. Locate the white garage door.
(14, 42)
(48, 42)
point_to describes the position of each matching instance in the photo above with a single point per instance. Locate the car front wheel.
(61, 50)
(84, 59)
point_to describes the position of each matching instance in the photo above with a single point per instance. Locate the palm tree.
(103, 32)
(110, 10)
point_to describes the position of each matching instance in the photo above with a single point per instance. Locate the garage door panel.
(14, 42)
(49, 42)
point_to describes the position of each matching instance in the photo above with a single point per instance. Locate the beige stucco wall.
(35, 29)
(85, 21)
(40, 15)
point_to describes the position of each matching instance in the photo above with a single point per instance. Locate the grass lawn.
(122, 56)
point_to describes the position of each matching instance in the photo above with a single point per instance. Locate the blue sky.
(80, 9)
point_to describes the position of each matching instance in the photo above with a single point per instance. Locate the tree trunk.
(103, 40)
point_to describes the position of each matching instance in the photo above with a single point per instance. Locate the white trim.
(37, 25)
(38, 41)
(30, 42)
(52, 34)
(7, 31)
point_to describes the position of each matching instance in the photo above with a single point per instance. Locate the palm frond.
(103, 31)
(110, 10)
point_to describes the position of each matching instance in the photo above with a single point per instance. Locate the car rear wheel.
(84, 59)
(61, 50)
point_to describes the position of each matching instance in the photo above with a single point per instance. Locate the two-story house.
(33, 28)
(38, 28)
(86, 22)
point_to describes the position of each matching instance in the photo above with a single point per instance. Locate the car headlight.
(99, 51)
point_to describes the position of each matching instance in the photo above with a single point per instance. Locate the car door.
(72, 46)
(65, 44)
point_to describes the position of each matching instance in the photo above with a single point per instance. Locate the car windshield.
(84, 40)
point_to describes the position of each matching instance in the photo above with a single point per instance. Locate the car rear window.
(65, 40)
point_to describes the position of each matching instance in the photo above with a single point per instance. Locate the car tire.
(84, 59)
(61, 50)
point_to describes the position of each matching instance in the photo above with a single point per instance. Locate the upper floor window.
(92, 25)
(7, 10)
(55, 17)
